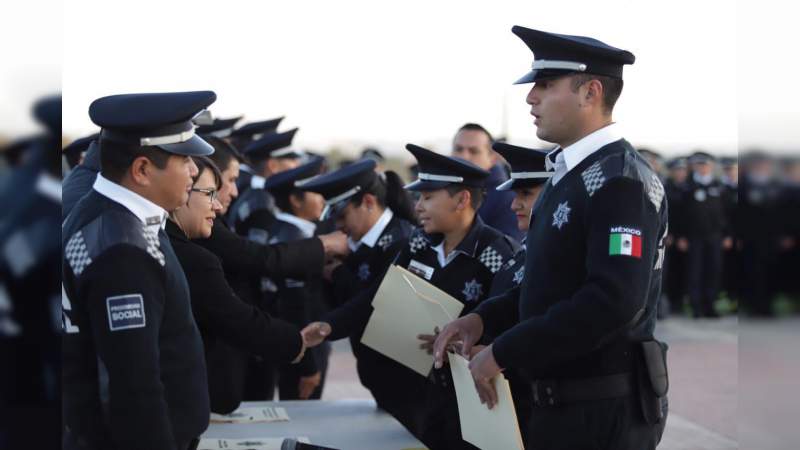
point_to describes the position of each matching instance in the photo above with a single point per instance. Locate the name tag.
(420, 269)
(125, 312)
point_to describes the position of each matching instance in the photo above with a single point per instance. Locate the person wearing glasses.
(223, 319)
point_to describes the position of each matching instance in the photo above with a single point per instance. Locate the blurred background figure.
(706, 229)
(675, 188)
(758, 226)
(30, 304)
(375, 155)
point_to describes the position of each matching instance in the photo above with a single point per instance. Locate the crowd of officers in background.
(734, 225)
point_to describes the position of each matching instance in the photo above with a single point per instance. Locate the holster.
(652, 380)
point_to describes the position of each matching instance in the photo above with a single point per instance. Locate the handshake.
(313, 335)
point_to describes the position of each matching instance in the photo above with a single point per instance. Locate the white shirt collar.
(257, 182)
(569, 157)
(443, 261)
(148, 212)
(705, 180)
(371, 237)
(306, 226)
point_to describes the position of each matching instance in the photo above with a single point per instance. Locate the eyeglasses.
(212, 193)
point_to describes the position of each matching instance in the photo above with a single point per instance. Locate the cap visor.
(527, 78)
(195, 146)
(424, 185)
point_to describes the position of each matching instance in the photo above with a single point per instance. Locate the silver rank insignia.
(561, 216)
(472, 290)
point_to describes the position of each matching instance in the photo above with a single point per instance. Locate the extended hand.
(315, 333)
(335, 244)
(484, 368)
(467, 329)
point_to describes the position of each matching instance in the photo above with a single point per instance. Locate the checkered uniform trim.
(593, 178)
(77, 254)
(490, 258)
(153, 246)
(655, 190)
(385, 241)
(418, 242)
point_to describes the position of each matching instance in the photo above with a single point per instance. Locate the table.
(341, 424)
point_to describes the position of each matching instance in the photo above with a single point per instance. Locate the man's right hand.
(467, 329)
(683, 244)
(315, 333)
(335, 244)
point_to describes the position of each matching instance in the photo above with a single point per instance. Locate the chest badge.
(561, 216)
(518, 275)
(700, 195)
(472, 290)
(363, 272)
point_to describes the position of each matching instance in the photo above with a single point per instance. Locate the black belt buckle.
(545, 393)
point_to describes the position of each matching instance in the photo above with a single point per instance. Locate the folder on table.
(405, 306)
(487, 429)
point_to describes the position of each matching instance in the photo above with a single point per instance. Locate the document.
(252, 415)
(487, 429)
(405, 306)
(248, 444)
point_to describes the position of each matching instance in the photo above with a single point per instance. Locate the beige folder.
(405, 306)
(487, 429)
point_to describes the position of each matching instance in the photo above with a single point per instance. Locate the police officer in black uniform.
(241, 138)
(706, 230)
(587, 305)
(676, 189)
(378, 217)
(527, 179)
(134, 375)
(299, 299)
(270, 154)
(730, 200)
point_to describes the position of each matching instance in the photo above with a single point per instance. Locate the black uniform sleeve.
(242, 256)
(352, 316)
(499, 313)
(344, 284)
(239, 323)
(138, 412)
(613, 296)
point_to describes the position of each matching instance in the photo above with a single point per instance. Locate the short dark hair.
(476, 127)
(612, 88)
(476, 194)
(116, 157)
(204, 163)
(224, 152)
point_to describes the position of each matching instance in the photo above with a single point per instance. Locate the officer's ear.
(464, 200)
(369, 201)
(140, 170)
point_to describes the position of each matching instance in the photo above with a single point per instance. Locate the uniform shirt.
(130, 336)
(592, 284)
(677, 195)
(223, 318)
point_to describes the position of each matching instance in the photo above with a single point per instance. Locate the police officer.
(473, 143)
(706, 227)
(270, 154)
(377, 215)
(224, 320)
(242, 137)
(134, 375)
(676, 188)
(587, 305)
(528, 176)
(298, 299)
(219, 127)
(759, 228)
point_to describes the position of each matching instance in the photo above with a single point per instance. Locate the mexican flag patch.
(625, 241)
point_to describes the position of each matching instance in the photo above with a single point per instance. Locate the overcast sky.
(350, 73)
